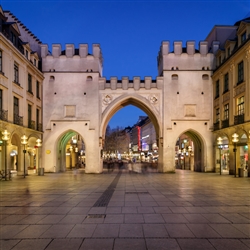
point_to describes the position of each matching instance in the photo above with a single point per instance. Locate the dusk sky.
(129, 32)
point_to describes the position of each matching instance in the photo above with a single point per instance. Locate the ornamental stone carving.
(153, 99)
(107, 99)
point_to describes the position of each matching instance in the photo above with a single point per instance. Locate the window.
(16, 106)
(1, 100)
(37, 90)
(37, 119)
(228, 52)
(243, 37)
(226, 112)
(240, 105)
(16, 73)
(1, 61)
(219, 60)
(13, 38)
(240, 72)
(27, 54)
(29, 115)
(225, 82)
(35, 62)
(217, 115)
(217, 89)
(29, 83)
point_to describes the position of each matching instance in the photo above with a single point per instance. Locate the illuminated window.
(240, 105)
(226, 112)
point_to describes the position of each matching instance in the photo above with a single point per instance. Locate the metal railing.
(217, 126)
(39, 127)
(32, 124)
(238, 119)
(225, 123)
(18, 120)
(4, 115)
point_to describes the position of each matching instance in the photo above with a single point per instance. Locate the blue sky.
(129, 32)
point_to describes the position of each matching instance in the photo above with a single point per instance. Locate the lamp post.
(179, 158)
(24, 141)
(189, 153)
(38, 145)
(184, 155)
(219, 143)
(5, 138)
(235, 140)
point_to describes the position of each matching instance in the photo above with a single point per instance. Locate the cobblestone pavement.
(185, 210)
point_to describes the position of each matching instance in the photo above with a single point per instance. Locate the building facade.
(231, 94)
(21, 82)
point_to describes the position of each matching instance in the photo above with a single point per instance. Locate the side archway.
(194, 148)
(70, 151)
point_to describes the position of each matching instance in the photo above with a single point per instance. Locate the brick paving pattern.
(119, 211)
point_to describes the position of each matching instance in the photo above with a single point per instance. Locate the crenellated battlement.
(186, 58)
(125, 83)
(72, 59)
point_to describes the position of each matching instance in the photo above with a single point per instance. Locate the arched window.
(174, 77)
(205, 77)
(51, 78)
(89, 78)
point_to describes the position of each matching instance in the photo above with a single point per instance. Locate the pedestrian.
(129, 166)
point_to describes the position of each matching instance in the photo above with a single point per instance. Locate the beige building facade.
(21, 98)
(231, 94)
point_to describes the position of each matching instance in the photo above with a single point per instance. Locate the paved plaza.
(118, 210)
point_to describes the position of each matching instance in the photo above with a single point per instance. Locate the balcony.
(4, 115)
(18, 120)
(217, 125)
(225, 124)
(39, 127)
(238, 119)
(31, 124)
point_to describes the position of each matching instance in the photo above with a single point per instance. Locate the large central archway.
(138, 102)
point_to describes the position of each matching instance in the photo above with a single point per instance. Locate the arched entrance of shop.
(189, 152)
(70, 151)
(140, 103)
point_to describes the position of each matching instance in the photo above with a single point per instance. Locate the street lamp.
(184, 155)
(5, 138)
(219, 142)
(38, 145)
(189, 153)
(235, 140)
(24, 141)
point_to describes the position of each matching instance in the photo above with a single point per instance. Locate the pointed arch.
(137, 101)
